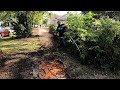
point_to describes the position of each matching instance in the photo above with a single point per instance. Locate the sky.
(62, 12)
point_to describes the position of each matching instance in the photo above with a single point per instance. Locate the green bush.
(23, 26)
(52, 28)
(98, 40)
(20, 30)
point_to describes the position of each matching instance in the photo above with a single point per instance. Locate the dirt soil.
(41, 64)
(49, 62)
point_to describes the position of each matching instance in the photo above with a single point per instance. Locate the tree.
(23, 20)
(6, 15)
(46, 18)
(38, 17)
(45, 21)
(23, 26)
(111, 14)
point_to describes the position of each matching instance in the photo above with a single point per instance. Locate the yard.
(23, 56)
(10, 45)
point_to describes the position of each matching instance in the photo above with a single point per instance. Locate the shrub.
(52, 28)
(23, 26)
(20, 30)
(98, 40)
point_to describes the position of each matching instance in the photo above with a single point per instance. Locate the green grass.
(11, 45)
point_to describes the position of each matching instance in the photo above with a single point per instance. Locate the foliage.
(111, 14)
(98, 40)
(52, 28)
(46, 18)
(6, 15)
(23, 20)
(38, 17)
(45, 21)
(23, 26)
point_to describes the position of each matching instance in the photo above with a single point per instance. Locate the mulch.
(51, 69)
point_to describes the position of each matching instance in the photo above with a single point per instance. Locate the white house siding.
(1, 22)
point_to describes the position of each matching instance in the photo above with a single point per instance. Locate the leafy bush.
(20, 30)
(98, 40)
(23, 26)
(52, 28)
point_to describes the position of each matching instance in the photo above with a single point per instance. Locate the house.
(63, 18)
(54, 18)
(1, 22)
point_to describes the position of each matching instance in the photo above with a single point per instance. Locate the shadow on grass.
(21, 68)
(10, 38)
(15, 38)
(25, 65)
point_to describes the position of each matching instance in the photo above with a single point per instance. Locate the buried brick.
(52, 70)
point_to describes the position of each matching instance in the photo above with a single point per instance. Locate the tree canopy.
(23, 19)
(111, 14)
(6, 15)
(38, 17)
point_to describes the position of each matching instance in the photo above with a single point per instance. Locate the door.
(1, 32)
(6, 32)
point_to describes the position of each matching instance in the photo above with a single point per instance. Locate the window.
(1, 28)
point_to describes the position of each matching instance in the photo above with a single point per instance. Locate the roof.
(54, 18)
(64, 17)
